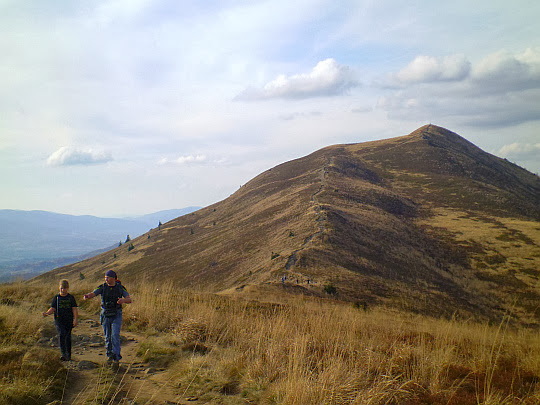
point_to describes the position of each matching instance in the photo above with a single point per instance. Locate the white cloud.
(520, 151)
(426, 69)
(327, 78)
(502, 72)
(68, 156)
(182, 160)
(500, 90)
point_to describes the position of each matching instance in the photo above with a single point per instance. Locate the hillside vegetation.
(304, 350)
(427, 223)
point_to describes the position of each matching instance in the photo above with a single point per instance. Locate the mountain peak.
(442, 137)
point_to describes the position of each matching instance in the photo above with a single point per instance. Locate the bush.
(330, 289)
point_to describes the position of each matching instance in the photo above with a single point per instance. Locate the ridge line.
(291, 261)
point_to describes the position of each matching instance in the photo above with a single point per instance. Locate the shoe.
(110, 361)
(63, 358)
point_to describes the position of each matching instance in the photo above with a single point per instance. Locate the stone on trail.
(87, 365)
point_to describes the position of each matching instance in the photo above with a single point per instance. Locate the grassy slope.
(381, 221)
(303, 351)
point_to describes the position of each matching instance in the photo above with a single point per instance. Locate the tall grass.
(311, 352)
(228, 350)
(29, 374)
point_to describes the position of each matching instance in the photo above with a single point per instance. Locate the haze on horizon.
(126, 107)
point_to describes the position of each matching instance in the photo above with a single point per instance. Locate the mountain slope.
(379, 223)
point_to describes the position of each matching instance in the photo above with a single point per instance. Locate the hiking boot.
(63, 358)
(110, 361)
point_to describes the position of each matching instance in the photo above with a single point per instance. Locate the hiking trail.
(321, 218)
(90, 380)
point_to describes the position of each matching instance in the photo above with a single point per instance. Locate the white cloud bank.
(425, 69)
(69, 156)
(327, 78)
(182, 160)
(518, 150)
(500, 71)
(500, 90)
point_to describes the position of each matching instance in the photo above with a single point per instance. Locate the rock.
(86, 365)
(95, 345)
(92, 323)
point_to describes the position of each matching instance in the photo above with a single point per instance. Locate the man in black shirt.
(113, 295)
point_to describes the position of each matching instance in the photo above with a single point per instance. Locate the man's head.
(110, 277)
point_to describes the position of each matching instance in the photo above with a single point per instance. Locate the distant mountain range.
(427, 222)
(35, 241)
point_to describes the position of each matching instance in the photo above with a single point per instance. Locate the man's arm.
(124, 300)
(89, 296)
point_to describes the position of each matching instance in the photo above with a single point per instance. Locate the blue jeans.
(111, 329)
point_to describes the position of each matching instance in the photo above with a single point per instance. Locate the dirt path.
(91, 381)
(320, 219)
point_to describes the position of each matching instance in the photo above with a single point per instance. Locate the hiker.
(113, 295)
(66, 315)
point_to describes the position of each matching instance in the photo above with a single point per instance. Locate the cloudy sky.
(124, 107)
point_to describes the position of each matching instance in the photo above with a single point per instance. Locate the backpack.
(109, 298)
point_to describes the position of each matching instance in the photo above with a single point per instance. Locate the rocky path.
(91, 381)
(320, 219)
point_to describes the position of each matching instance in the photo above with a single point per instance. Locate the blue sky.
(117, 108)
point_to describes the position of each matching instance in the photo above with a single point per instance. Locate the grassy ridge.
(303, 351)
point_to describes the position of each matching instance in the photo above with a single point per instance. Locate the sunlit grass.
(305, 351)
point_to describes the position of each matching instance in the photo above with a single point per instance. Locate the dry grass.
(309, 351)
(504, 255)
(312, 351)
(29, 374)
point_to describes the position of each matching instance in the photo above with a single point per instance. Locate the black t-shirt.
(64, 308)
(111, 294)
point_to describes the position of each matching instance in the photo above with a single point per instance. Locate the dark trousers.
(64, 337)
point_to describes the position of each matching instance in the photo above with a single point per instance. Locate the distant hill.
(32, 242)
(425, 222)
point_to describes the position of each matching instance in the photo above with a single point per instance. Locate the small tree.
(330, 289)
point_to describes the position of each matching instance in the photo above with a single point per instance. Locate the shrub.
(330, 289)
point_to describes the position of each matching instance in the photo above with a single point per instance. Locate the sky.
(127, 107)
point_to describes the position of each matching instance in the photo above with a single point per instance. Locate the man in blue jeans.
(113, 295)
